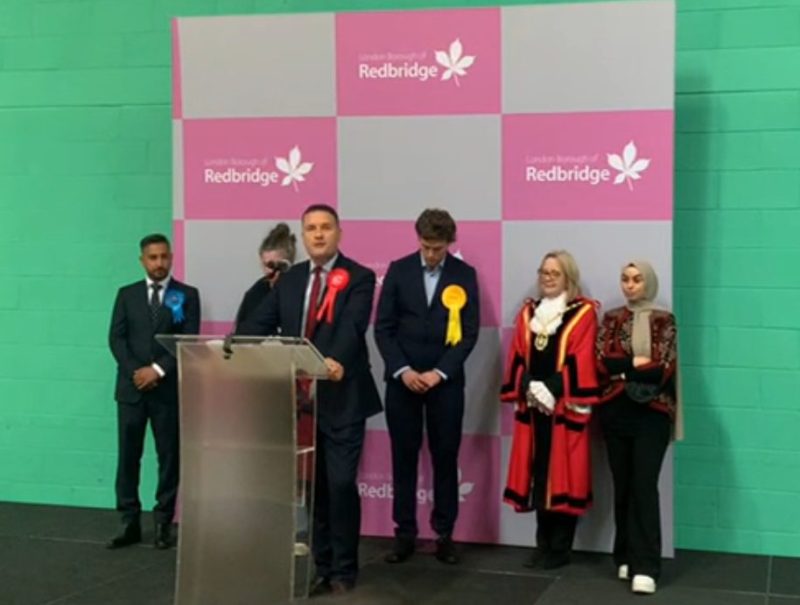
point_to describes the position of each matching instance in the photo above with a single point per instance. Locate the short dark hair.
(153, 238)
(321, 208)
(282, 239)
(437, 225)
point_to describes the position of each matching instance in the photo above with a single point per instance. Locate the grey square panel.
(588, 57)
(222, 261)
(600, 249)
(269, 65)
(393, 168)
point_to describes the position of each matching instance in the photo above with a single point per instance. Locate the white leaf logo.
(455, 65)
(294, 169)
(628, 166)
(379, 280)
(458, 254)
(464, 489)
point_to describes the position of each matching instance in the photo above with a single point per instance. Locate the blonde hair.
(570, 270)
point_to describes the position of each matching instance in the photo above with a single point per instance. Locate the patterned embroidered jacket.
(569, 482)
(615, 356)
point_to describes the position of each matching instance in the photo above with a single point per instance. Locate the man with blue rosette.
(147, 386)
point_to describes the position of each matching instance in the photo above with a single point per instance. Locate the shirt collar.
(436, 269)
(326, 268)
(163, 283)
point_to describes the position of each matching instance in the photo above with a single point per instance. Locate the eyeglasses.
(546, 274)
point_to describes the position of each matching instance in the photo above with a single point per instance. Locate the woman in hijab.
(637, 355)
(551, 378)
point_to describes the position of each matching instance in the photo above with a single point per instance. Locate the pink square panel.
(585, 166)
(418, 62)
(259, 168)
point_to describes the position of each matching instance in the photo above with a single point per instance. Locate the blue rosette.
(173, 300)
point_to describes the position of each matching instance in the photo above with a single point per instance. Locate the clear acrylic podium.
(247, 425)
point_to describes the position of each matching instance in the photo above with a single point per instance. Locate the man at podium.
(328, 299)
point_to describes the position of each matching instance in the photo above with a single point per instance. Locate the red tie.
(313, 300)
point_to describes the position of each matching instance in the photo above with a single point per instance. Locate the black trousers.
(132, 419)
(555, 532)
(636, 439)
(337, 506)
(442, 411)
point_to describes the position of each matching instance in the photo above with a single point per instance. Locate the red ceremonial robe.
(569, 481)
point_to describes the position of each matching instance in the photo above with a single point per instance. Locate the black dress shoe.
(554, 560)
(164, 539)
(320, 586)
(446, 550)
(402, 549)
(131, 534)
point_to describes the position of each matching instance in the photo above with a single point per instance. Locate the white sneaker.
(300, 549)
(622, 573)
(643, 584)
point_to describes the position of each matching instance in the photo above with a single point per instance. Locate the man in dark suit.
(423, 294)
(298, 306)
(147, 385)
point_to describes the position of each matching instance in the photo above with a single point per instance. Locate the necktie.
(313, 301)
(155, 302)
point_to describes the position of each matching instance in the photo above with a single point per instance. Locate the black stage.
(55, 556)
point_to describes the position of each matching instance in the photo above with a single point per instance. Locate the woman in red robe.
(551, 379)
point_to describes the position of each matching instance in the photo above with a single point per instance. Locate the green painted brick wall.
(85, 171)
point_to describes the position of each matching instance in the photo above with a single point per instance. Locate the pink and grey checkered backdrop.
(538, 127)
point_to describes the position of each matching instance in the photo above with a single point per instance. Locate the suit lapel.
(418, 281)
(341, 263)
(443, 281)
(441, 284)
(296, 295)
(164, 321)
(141, 300)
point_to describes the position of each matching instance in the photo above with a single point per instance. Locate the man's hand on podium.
(335, 369)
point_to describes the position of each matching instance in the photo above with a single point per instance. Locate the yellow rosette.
(454, 298)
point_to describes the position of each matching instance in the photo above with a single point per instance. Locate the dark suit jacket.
(355, 397)
(252, 298)
(411, 333)
(132, 341)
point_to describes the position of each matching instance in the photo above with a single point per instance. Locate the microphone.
(227, 346)
(278, 266)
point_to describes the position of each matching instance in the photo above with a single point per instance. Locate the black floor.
(55, 556)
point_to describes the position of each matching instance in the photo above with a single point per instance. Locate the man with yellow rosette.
(427, 324)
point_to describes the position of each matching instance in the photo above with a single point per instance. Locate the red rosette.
(338, 280)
